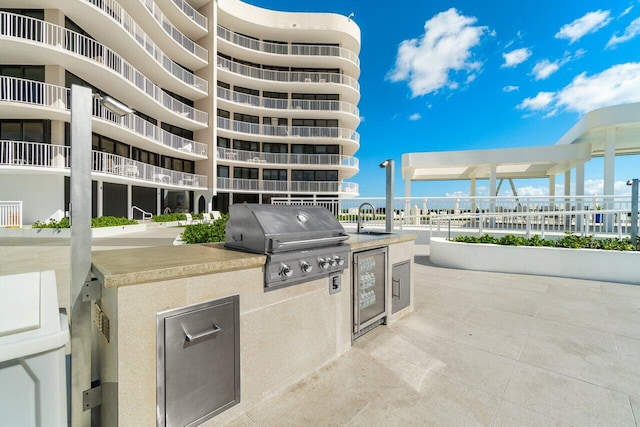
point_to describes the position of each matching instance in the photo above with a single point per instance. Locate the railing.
(13, 89)
(193, 14)
(286, 48)
(287, 158)
(524, 215)
(287, 104)
(38, 154)
(255, 185)
(289, 131)
(175, 34)
(333, 205)
(287, 76)
(42, 155)
(128, 24)
(57, 37)
(11, 214)
(145, 215)
(114, 165)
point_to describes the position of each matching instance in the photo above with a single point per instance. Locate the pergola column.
(609, 175)
(579, 193)
(473, 195)
(492, 192)
(552, 191)
(567, 196)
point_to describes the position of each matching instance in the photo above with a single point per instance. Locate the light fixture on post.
(116, 107)
(634, 210)
(80, 219)
(388, 210)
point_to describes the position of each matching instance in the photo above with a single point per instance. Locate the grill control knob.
(286, 271)
(323, 263)
(306, 267)
(339, 260)
(333, 261)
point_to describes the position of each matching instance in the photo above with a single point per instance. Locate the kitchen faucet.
(360, 219)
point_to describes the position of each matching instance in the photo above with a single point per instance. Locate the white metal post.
(80, 215)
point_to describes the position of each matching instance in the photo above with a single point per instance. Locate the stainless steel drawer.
(198, 362)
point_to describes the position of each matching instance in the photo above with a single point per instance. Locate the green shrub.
(103, 221)
(170, 217)
(570, 240)
(206, 233)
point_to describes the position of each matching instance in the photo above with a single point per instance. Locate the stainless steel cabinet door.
(400, 286)
(201, 362)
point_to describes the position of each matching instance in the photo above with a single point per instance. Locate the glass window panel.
(11, 131)
(33, 131)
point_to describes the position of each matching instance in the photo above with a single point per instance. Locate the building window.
(245, 145)
(26, 130)
(27, 72)
(223, 142)
(223, 171)
(309, 175)
(175, 130)
(247, 118)
(182, 99)
(274, 174)
(314, 149)
(146, 118)
(270, 147)
(315, 123)
(245, 173)
(224, 114)
(246, 90)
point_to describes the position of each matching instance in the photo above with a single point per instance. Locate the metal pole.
(80, 215)
(389, 206)
(634, 211)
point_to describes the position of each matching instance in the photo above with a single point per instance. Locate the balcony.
(60, 39)
(50, 96)
(19, 154)
(295, 132)
(295, 105)
(286, 76)
(266, 186)
(168, 27)
(287, 48)
(181, 13)
(287, 159)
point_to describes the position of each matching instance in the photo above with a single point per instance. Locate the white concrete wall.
(42, 195)
(589, 264)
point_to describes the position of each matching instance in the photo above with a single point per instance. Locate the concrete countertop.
(142, 265)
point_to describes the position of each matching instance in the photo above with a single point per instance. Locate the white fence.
(583, 215)
(11, 214)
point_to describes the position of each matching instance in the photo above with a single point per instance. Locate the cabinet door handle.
(194, 337)
(393, 292)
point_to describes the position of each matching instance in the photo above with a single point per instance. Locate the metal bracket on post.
(92, 398)
(91, 290)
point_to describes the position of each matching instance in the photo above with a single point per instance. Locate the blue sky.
(468, 74)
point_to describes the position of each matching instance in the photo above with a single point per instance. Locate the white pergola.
(606, 132)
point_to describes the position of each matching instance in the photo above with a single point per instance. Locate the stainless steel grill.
(302, 243)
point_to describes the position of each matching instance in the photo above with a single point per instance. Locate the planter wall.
(66, 232)
(590, 264)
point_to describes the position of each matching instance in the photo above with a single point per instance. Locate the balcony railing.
(195, 16)
(175, 34)
(267, 186)
(42, 155)
(287, 158)
(286, 48)
(287, 76)
(56, 37)
(13, 89)
(287, 104)
(11, 214)
(289, 131)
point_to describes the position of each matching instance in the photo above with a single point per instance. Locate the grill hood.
(278, 228)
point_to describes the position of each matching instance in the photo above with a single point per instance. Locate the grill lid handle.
(278, 244)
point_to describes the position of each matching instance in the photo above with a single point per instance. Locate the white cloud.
(429, 63)
(630, 32)
(516, 57)
(596, 186)
(619, 84)
(539, 102)
(543, 69)
(625, 12)
(589, 23)
(510, 88)
(415, 116)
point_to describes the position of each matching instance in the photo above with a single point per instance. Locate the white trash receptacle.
(33, 335)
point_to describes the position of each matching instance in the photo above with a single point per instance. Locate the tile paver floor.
(482, 349)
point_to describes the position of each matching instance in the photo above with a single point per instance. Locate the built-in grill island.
(302, 243)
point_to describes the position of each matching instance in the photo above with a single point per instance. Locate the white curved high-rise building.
(231, 103)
